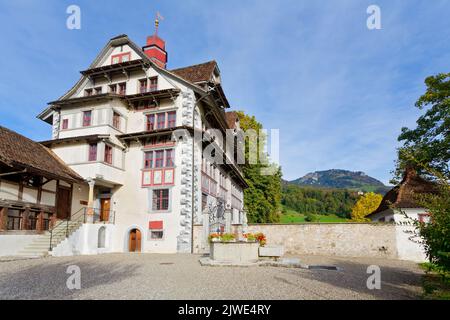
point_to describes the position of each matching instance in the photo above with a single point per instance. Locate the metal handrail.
(75, 217)
(79, 216)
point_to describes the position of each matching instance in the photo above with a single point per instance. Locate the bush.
(436, 233)
(309, 217)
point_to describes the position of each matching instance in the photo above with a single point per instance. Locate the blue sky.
(338, 92)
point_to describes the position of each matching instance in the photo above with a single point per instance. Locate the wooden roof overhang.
(155, 96)
(142, 135)
(15, 168)
(123, 67)
(88, 138)
(95, 97)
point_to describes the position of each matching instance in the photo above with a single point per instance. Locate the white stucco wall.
(84, 241)
(11, 244)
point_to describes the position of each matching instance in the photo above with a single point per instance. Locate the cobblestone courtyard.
(151, 276)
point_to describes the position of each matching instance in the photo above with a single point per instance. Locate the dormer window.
(98, 90)
(121, 57)
(88, 92)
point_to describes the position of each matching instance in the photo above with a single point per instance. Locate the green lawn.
(436, 284)
(291, 216)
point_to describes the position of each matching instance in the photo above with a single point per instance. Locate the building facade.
(139, 135)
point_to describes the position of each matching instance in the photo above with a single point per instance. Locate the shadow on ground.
(48, 280)
(396, 282)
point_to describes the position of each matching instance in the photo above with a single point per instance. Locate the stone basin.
(234, 252)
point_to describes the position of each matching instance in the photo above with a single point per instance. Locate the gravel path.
(151, 276)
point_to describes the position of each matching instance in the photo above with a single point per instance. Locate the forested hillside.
(307, 200)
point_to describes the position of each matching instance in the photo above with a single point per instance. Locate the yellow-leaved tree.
(365, 205)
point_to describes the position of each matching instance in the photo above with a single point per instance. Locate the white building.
(400, 206)
(127, 128)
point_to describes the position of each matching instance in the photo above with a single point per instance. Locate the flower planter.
(234, 252)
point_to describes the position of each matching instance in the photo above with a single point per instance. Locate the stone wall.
(339, 239)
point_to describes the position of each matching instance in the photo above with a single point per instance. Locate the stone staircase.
(41, 246)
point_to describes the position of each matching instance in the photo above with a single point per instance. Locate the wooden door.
(63, 203)
(135, 241)
(105, 207)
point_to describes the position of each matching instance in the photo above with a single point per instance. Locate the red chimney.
(156, 47)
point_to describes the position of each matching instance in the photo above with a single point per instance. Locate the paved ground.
(150, 276)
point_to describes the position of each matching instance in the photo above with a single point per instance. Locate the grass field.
(291, 216)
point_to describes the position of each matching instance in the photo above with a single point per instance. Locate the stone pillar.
(90, 207)
(3, 218)
(205, 232)
(227, 221)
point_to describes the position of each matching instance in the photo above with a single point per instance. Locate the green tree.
(262, 198)
(429, 142)
(436, 233)
(367, 204)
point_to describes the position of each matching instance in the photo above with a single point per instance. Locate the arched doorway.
(134, 242)
(101, 242)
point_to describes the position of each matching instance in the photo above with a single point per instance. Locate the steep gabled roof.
(202, 72)
(21, 153)
(405, 194)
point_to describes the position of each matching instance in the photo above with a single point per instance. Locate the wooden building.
(35, 185)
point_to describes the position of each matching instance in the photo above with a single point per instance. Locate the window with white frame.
(159, 159)
(160, 200)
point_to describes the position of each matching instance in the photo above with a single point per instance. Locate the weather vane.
(159, 17)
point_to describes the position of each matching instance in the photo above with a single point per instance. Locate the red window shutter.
(156, 225)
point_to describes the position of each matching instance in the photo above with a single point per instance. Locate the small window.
(148, 162)
(143, 85)
(113, 88)
(150, 122)
(88, 92)
(161, 120)
(87, 118)
(122, 88)
(160, 199)
(108, 154)
(115, 60)
(204, 201)
(159, 158)
(98, 90)
(154, 84)
(121, 57)
(93, 152)
(116, 120)
(156, 234)
(65, 124)
(169, 158)
(171, 119)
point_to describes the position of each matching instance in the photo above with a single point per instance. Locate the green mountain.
(341, 179)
